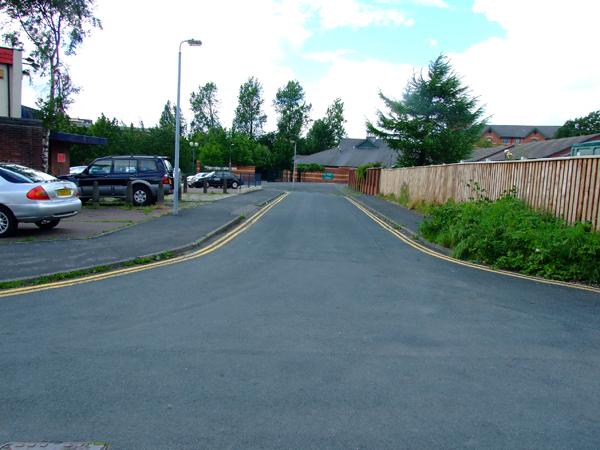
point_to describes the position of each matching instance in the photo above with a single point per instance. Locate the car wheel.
(141, 195)
(8, 223)
(234, 185)
(47, 224)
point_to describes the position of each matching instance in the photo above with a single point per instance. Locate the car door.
(123, 170)
(98, 171)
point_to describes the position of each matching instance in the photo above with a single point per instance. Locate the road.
(315, 328)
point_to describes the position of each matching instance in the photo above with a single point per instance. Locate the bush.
(361, 171)
(506, 234)
(310, 168)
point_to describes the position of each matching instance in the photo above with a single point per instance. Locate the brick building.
(23, 138)
(518, 134)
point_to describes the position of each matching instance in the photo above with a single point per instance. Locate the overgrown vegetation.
(309, 168)
(507, 234)
(361, 171)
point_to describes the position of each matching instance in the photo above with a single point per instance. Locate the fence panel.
(568, 188)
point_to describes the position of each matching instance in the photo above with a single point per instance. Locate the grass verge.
(80, 273)
(507, 234)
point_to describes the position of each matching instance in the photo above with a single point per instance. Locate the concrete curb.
(405, 231)
(157, 255)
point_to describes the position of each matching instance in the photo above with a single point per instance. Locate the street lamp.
(193, 43)
(194, 146)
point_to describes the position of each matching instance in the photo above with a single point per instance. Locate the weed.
(507, 234)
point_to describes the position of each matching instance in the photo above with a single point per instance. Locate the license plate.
(64, 192)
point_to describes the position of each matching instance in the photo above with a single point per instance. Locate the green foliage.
(292, 111)
(205, 105)
(580, 126)
(507, 234)
(437, 121)
(309, 168)
(249, 118)
(53, 28)
(326, 133)
(361, 171)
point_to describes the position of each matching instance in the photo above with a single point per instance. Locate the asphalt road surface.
(315, 328)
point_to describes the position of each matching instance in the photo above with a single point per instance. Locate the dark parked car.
(217, 178)
(113, 173)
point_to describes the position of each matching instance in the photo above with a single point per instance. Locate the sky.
(530, 62)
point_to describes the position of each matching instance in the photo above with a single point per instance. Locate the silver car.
(28, 195)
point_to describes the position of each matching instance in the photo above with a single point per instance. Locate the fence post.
(205, 186)
(95, 193)
(160, 194)
(185, 186)
(129, 195)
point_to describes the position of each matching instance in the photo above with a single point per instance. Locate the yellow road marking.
(223, 240)
(435, 254)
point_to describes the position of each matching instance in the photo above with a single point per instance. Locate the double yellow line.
(223, 240)
(435, 254)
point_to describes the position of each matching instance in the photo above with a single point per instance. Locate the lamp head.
(194, 42)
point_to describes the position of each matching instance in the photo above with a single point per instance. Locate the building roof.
(545, 149)
(352, 153)
(483, 153)
(522, 131)
(77, 138)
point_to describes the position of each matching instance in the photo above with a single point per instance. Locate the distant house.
(349, 154)
(552, 148)
(518, 134)
(352, 153)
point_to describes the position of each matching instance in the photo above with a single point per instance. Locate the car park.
(113, 174)
(219, 177)
(31, 196)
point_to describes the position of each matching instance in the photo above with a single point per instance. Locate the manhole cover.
(55, 446)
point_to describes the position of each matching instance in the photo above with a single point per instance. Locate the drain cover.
(55, 446)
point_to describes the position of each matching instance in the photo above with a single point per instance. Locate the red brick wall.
(59, 168)
(21, 141)
(498, 140)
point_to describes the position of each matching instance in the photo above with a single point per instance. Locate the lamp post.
(176, 176)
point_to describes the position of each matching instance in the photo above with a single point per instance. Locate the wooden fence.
(369, 185)
(569, 188)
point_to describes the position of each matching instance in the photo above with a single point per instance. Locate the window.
(147, 165)
(505, 140)
(14, 177)
(517, 140)
(101, 167)
(124, 166)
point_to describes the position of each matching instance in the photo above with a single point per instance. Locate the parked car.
(28, 195)
(114, 173)
(198, 179)
(218, 177)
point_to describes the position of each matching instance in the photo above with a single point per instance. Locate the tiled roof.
(352, 153)
(545, 149)
(522, 131)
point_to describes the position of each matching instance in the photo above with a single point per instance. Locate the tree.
(249, 117)
(205, 107)
(53, 27)
(292, 110)
(437, 121)
(327, 132)
(580, 126)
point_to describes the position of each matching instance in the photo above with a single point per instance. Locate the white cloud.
(543, 71)
(432, 42)
(436, 3)
(352, 13)
(328, 57)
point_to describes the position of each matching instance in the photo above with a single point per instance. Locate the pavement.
(314, 328)
(162, 234)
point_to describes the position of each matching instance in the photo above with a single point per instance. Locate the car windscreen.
(13, 177)
(33, 176)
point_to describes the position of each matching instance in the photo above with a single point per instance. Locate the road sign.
(328, 176)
